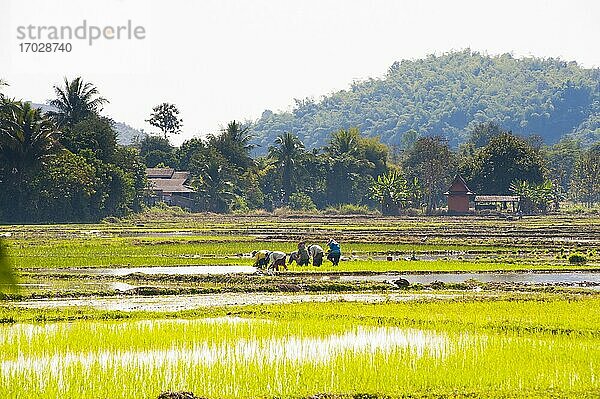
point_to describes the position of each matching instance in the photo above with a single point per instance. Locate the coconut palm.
(27, 138)
(287, 153)
(234, 144)
(344, 142)
(215, 189)
(75, 101)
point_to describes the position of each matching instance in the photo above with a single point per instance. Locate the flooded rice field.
(231, 356)
(576, 278)
(172, 303)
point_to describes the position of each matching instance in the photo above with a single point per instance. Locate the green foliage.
(448, 95)
(391, 191)
(301, 202)
(165, 117)
(94, 133)
(352, 162)
(288, 154)
(577, 258)
(74, 102)
(213, 182)
(431, 162)
(505, 159)
(42, 183)
(233, 143)
(535, 198)
(561, 159)
(585, 181)
(157, 150)
(64, 190)
(28, 141)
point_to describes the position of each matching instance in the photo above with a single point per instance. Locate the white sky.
(223, 59)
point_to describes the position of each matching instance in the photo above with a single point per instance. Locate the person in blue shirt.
(334, 252)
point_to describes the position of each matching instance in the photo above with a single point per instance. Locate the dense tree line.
(357, 170)
(448, 96)
(66, 165)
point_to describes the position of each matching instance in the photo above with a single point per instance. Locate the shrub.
(577, 258)
(301, 202)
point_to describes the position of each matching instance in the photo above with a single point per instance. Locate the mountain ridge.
(447, 95)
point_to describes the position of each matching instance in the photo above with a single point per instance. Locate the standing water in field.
(50, 357)
(234, 357)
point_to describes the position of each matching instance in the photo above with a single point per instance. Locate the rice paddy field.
(493, 308)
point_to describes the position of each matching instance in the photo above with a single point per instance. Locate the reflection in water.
(296, 349)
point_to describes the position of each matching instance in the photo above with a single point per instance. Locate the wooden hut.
(459, 196)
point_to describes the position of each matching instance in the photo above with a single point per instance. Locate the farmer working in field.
(277, 259)
(261, 258)
(316, 253)
(301, 256)
(334, 252)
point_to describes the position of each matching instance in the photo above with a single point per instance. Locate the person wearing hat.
(276, 260)
(261, 258)
(316, 253)
(334, 254)
(301, 256)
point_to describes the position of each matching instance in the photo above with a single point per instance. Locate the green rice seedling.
(537, 346)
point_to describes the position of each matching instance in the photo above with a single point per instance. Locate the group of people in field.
(274, 260)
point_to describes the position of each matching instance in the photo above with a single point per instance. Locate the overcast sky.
(223, 59)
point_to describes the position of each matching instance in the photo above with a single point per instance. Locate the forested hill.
(446, 95)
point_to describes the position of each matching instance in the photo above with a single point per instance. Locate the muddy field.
(211, 255)
(128, 307)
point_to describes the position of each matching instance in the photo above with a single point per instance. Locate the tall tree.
(481, 134)
(288, 153)
(348, 177)
(233, 143)
(165, 117)
(585, 184)
(432, 163)
(94, 133)
(505, 159)
(213, 179)
(28, 139)
(156, 150)
(75, 101)
(562, 157)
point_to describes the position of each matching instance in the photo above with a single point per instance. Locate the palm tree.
(348, 168)
(344, 142)
(234, 144)
(287, 154)
(75, 101)
(215, 190)
(27, 140)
